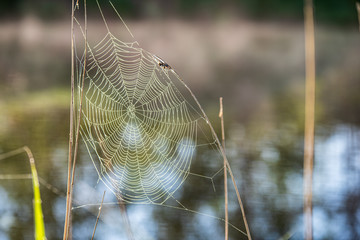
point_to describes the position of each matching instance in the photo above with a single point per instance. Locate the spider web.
(142, 129)
(141, 124)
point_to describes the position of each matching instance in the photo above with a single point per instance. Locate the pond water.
(263, 104)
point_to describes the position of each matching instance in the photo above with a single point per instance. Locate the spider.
(162, 63)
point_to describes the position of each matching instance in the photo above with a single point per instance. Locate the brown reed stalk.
(358, 12)
(98, 216)
(126, 220)
(71, 131)
(79, 113)
(11, 153)
(309, 116)
(221, 116)
(222, 153)
(73, 156)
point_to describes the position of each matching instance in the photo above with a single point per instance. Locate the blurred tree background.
(327, 11)
(249, 51)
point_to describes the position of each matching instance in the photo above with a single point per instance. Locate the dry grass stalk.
(358, 11)
(221, 116)
(71, 131)
(223, 155)
(309, 116)
(98, 216)
(126, 220)
(73, 156)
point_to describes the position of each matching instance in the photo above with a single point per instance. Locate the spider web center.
(131, 111)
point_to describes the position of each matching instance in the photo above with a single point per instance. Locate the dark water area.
(260, 74)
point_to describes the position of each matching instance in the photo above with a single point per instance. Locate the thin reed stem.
(79, 113)
(11, 153)
(126, 220)
(309, 116)
(98, 216)
(358, 12)
(221, 116)
(71, 131)
(73, 156)
(15, 176)
(222, 153)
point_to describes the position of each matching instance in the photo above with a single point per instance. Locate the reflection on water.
(270, 180)
(336, 184)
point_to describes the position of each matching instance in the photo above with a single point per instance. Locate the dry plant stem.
(125, 217)
(98, 216)
(73, 161)
(25, 176)
(221, 116)
(222, 153)
(11, 153)
(15, 176)
(79, 114)
(358, 11)
(309, 116)
(81, 101)
(68, 204)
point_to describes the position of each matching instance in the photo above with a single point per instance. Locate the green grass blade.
(38, 214)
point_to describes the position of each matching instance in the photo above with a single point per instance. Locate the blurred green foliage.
(326, 11)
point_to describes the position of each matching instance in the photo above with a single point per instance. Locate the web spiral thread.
(143, 131)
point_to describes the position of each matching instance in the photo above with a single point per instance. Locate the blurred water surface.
(259, 70)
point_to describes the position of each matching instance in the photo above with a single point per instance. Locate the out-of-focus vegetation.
(257, 66)
(326, 11)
